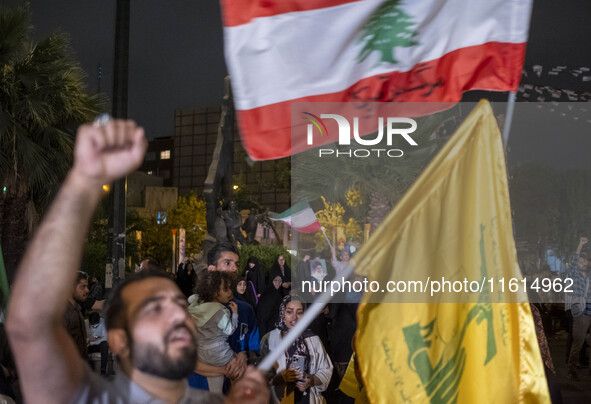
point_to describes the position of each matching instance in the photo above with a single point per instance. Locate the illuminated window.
(165, 155)
(150, 172)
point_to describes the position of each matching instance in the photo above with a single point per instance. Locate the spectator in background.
(186, 279)
(245, 292)
(303, 275)
(97, 338)
(268, 307)
(343, 316)
(94, 299)
(151, 264)
(280, 268)
(73, 317)
(579, 304)
(255, 274)
(96, 289)
(339, 266)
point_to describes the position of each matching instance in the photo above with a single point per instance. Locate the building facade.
(195, 133)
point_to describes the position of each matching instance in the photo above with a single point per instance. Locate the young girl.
(214, 322)
(304, 370)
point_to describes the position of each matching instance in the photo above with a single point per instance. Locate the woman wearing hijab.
(268, 306)
(186, 279)
(280, 268)
(245, 291)
(255, 274)
(304, 371)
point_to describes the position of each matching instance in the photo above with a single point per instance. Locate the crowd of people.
(183, 340)
(148, 326)
(189, 339)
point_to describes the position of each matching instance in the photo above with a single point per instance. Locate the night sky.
(176, 52)
(176, 48)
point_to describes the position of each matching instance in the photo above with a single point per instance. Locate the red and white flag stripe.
(300, 217)
(283, 51)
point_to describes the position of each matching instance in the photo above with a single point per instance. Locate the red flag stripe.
(243, 11)
(494, 66)
(311, 228)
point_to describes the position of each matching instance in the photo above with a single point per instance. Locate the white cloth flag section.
(300, 217)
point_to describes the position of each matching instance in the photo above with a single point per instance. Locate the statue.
(233, 220)
(265, 220)
(219, 177)
(250, 226)
(219, 230)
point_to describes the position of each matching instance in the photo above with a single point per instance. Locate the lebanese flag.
(284, 51)
(300, 217)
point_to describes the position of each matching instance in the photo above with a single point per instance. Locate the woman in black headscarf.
(186, 279)
(280, 268)
(244, 291)
(304, 370)
(268, 306)
(254, 273)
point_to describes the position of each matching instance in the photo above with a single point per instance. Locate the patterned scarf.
(298, 347)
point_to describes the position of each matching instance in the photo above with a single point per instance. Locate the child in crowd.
(214, 322)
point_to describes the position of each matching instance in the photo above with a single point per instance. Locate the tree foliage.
(189, 214)
(42, 101)
(94, 255)
(156, 235)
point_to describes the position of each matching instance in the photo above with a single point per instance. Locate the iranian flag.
(300, 217)
(284, 51)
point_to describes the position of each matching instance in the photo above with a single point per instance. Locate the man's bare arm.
(49, 366)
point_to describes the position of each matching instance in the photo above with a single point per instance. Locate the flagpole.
(325, 236)
(301, 326)
(508, 117)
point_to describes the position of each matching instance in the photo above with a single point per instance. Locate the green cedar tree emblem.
(388, 28)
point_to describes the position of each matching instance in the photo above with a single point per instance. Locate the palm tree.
(42, 101)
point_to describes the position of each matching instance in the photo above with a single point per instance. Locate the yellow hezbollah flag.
(454, 222)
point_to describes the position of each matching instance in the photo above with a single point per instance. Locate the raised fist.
(104, 153)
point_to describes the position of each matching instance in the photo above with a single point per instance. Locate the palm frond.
(15, 27)
(43, 99)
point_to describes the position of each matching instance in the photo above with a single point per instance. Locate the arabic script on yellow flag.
(447, 347)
